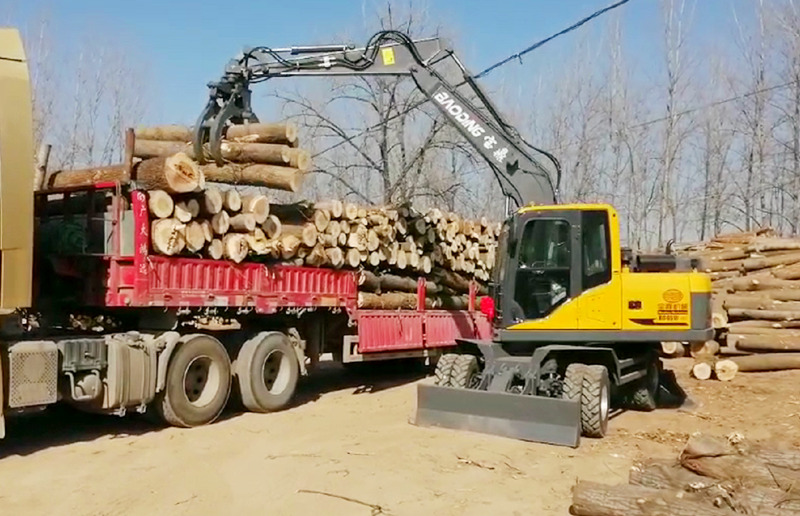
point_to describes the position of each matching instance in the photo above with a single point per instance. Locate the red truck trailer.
(178, 335)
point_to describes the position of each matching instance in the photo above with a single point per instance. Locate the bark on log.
(160, 203)
(770, 315)
(176, 133)
(750, 284)
(270, 176)
(263, 133)
(173, 174)
(87, 177)
(388, 301)
(759, 303)
(768, 362)
(767, 341)
(167, 236)
(750, 264)
(594, 499)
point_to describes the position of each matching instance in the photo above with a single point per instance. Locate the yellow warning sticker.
(387, 54)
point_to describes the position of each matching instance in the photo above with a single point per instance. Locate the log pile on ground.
(712, 476)
(755, 303)
(198, 210)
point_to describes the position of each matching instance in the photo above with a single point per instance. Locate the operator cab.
(547, 257)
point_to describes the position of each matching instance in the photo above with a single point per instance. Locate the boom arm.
(522, 178)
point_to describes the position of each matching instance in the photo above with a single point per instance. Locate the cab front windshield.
(543, 276)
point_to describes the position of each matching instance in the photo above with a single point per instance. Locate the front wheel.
(464, 372)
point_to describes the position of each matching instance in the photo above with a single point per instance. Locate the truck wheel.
(198, 383)
(573, 382)
(463, 372)
(595, 401)
(267, 372)
(644, 394)
(444, 368)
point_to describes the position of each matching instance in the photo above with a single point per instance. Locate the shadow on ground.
(62, 425)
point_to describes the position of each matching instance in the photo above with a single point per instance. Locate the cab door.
(599, 304)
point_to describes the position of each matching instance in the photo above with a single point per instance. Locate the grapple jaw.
(529, 418)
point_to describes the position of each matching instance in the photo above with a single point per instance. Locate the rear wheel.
(644, 394)
(267, 372)
(444, 369)
(198, 383)
(465, 369)
(595, 401)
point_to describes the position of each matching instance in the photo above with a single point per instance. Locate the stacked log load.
(712, 476)
(755, 302)
(200, 210)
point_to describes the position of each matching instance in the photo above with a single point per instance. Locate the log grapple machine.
(578, 319)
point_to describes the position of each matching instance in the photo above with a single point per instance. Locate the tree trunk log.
(243, 222)
(160, 203)
(221, 222)
(263, 133)
(173, 174)
(87, 177)
(167, 236)
(389, 301)
(766, 283)
(770, 315)
(335, 256)
(176, 133)
(334, 207)
(257, 205)
(768, 362)
(212, 201)
(704, 349)
(194, 236)
(270, 176)
(272, 227)
(257, 241)
(235, 247)
(215, 249)
(594, 499)
(306, 233)
(725, 370)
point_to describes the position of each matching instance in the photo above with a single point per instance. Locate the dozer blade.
(530, 418)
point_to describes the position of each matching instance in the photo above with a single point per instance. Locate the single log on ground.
(167, 236)
(160, 203)
(195, 237)
(212, 201)
(235, 247)
(173, 174)
(174, 133)
(271, 176)
(768, 341)
(595, 499)
(725, 370)
(768, 362)
(667, 474)
(767, 328)
(703, 368)
(272, 227)
(87, 177)
(243, 222)
(215, 249)
(707, 348)
(257, 205)
(263, 133)
(306, 233)
(673, 349)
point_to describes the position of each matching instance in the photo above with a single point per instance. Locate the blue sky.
(186, 43)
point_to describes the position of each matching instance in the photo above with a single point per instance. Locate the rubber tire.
(172, 404)
(464, 368)
(643, 396)
(596, 385)
(573, 382)
(444, 369)
(256, 397)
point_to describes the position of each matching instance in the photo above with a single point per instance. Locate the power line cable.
(538, 44)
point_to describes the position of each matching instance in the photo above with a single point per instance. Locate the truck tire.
(464, 369)
(573, 382)
(198, 383)
(595, 401)
(267, 372)
(643, 396)
(444, 368)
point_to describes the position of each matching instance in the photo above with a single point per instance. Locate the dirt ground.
(350, 437)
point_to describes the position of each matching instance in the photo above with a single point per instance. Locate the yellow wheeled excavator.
(577, 318)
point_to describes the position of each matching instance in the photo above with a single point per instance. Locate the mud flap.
(530, 418)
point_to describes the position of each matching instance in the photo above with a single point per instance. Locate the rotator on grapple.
(577, 318)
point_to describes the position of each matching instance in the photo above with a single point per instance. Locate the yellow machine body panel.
(660, 300)
(16, 174)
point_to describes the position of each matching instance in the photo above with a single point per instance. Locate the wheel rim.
(276, 371)
(604, 403)
(202, 379)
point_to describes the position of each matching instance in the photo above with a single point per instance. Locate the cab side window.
(596, 253)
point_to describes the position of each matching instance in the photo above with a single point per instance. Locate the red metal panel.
(442, 328)
(387, 330)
